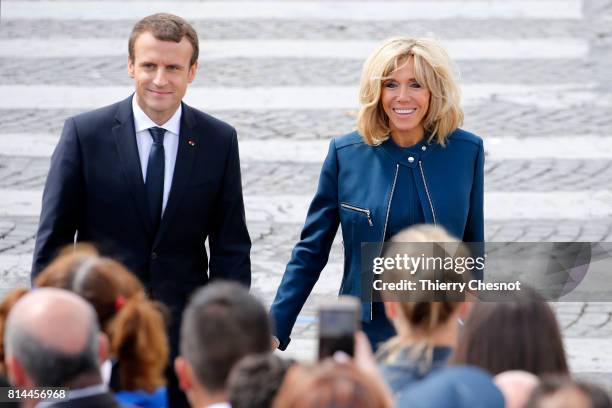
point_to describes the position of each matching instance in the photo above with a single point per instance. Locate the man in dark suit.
(149, 179)
(53, 340)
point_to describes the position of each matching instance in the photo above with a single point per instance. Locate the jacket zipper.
(382, 240)
(365, 211)
(433, 212)
(389, 204)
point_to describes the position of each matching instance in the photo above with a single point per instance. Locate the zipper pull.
(369, 218)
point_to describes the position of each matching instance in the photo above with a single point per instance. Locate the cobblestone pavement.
(287, 177)
(494, 119)
(99, 71)
(299, 29)
(587, 326)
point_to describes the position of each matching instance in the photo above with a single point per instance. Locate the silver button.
(410, 159)
(423, 148)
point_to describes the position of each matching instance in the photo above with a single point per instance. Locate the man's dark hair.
(165, 27)
(256, 379)
(49, 367)
(222, 324)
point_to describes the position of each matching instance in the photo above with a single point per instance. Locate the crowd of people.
(90, 326)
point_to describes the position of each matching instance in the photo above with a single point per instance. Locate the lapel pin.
(191, 142)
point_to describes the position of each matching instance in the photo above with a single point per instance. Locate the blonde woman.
(426, 321)
(408, 163)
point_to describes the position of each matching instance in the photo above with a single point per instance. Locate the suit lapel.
(125, 139)
(185, 158)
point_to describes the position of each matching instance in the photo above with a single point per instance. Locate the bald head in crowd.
(52, 339)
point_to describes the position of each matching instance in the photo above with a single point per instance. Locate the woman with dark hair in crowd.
(408, 163)
(426, 321)
(519, 331)
(134, 325)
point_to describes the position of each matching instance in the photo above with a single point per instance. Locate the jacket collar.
(143, 122)
(405, 156)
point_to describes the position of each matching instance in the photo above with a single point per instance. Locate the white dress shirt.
(144, 141)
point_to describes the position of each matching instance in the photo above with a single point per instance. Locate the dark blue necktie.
(155, 175)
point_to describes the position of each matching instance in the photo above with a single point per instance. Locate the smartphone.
(338, 323)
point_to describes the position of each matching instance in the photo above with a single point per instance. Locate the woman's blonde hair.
(424, 311)
(432, 70)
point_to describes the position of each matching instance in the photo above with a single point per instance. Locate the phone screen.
(337, 327)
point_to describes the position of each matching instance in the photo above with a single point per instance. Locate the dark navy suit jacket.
(95, 190)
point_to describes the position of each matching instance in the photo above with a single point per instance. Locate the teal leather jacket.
(356, 185)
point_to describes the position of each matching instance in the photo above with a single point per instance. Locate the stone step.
(286, 208)
(500, 148)
(493, 118)
(337, 29)
(284, 71)
(302, 10)
(458, 49)
(297, 98)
